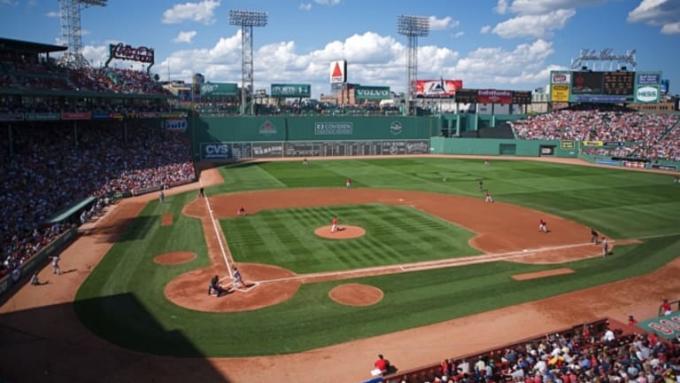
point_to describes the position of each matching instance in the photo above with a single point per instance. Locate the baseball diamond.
(321, 203)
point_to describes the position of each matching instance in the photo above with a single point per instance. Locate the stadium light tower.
(247, 20)
(412, 27)
(71, 33)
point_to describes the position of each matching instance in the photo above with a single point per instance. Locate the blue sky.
(505, 44)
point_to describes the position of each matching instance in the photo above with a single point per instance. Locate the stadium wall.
(234, 138)
(505, 147)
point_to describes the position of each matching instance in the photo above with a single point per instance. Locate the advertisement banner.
(220, 151)
(599, 98)
(593, 143)
(665, 86)
(587, 83)
(117, 116)
(437, 88)
(42, 116)
(647, 94)
(178, 125)
(494, 96)
(100, 115)
(215, 89)
(619, 83)
(466, 96)
(338, 72)
(333, 129)
(567, 144)
(267, 128)
(126, 52)
(648, 78)
(521, 98)
(11, 116)
(667, 326)
(76, 116)
(559, 93)
(372, 92)
(291, 90)
(562, 78)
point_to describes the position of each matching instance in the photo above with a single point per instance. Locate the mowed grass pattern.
(122, 300)
(394, 234)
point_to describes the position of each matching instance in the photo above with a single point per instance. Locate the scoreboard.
(619, 83)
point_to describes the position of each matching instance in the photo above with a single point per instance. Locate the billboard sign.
(563, 78)
(216, 151)
(338, 72)
(215, 89)
(372, 92)
(559, 93)
(587, 83)
(466, 96)
(494, 96)
(177, 125)
(619, 83)
(291, 90)
(647, 93)
(437, 88)
(648, 78)
(126, 52)
(665, 86)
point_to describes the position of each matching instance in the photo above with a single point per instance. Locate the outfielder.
(488, 197)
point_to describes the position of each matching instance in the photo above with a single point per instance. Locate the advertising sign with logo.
(218, 151)
(338, 72)
(126, 52)
(216, 89)
(291, 90)
(567, 144)
(177, 125)
(587, 83)
(667, 326)
(494, 96)
(373, 92)
(665, 86)
(559, 93)
(267, 128)
(396, 128)
(11, 116)
(76, 116)
(647, 94)
(333, 129)
(648, 78)
(437, 88)
(563, 78)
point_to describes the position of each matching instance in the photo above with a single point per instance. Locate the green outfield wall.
(504, 147)
(233, 138)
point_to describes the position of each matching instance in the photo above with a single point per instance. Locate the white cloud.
(536, 7)
(305, 7)
(458, 34)
(534, 25)
(443, 23)
(96, 55)
(53, 14)
(664, 13)
(185, 37)
(485, 29)
(9, 2)
(202, 12)
(501, 7)
(328, 2)
(373, 59)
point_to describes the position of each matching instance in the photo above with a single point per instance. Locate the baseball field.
(432, 250)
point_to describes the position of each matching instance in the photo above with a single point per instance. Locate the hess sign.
(126, 52)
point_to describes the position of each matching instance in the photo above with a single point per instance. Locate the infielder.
(543, 226)
(605, 247)
(55, 265)
(488, 197)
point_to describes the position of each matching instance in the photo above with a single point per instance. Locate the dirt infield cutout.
(356, 294)
(344, 232)
(166, 219)
(190, 290)
(542, 274)
(175, 258)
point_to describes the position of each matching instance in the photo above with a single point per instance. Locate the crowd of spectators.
(49, 172)
(19, 73)
(585, 356)
(635, 134)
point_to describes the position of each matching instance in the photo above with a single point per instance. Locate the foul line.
(219, 235)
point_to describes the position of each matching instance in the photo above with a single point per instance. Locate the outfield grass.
(394, 234)
(619, 203)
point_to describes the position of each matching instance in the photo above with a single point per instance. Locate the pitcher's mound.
(176, 258)
(356, 294)
(344, 232)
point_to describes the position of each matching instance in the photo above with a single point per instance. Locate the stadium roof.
(28, 46)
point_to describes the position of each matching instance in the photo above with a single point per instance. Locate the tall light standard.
(247, 20)
(412, 27)
(71, 33)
